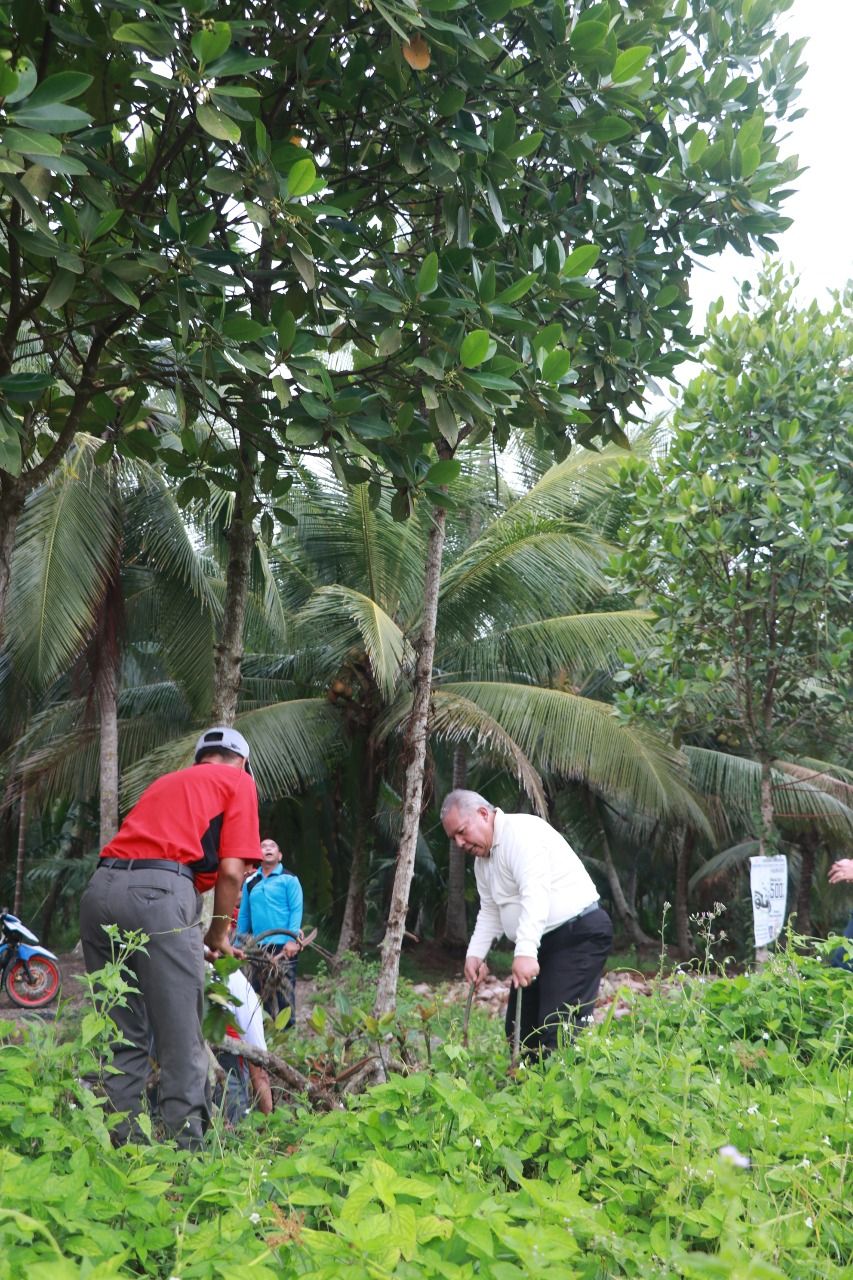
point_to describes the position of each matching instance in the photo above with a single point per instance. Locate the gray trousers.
(170, 976)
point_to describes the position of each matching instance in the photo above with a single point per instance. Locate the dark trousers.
(571, 962)
(274, 980)
(838, 959)
(169, 974)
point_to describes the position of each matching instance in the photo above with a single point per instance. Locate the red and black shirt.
(196, 816)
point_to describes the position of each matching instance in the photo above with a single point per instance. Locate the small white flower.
(810, 1222)
(254, 1217)
(753, 1110)
(477, 1142)
(721, 1048)
(807, 1164)
(734, 1156)
(825, 1140)
(765, 1035)
(717, 1080)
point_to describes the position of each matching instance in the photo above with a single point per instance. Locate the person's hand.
(217, 944)
(841, 870)
(524, 970)
(291, 949)
(475, 970)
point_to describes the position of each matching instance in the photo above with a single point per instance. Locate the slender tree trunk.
(11, 506)
(808, 850)
(352, 928)
(107, 694)
(765, 834)
(628, 917)
(22, 850)
(456, 919)
(414, 752)
(683, 850)
(228, 656)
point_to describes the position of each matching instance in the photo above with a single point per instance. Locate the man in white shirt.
(534, 888)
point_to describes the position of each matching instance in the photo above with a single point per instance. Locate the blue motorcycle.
(30, 973)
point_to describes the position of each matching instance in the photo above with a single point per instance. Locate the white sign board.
(768, 883)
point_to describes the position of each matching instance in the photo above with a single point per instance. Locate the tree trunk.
(228, 655)
(765, 835)
(414, 753)
(456, 919)
(22, 851)
(683, 850)
(629, 919)
(106, 686)
(11, 506)
(808, 850)
(352, 927)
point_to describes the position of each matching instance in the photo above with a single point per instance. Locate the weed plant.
(706, 1135)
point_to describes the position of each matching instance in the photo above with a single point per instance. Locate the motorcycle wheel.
(41, 987)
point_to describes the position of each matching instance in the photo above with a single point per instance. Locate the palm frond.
(293, 744)
(736, 782)
(519, 570)
(579, 738)
(831, 778)
(723, 862)
(536, 651)
(66, 553)
(348, 620)
(456, 718)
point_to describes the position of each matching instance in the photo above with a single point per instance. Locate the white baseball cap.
(223, 738)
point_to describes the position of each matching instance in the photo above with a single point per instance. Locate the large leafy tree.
(497, 208)
(740, 539)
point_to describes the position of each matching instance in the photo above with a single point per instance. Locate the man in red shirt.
(189, 831)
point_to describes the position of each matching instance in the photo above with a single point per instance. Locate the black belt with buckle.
(146, 864)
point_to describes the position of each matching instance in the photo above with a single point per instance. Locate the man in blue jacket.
(272, 901)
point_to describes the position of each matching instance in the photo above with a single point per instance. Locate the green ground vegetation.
(625, 1156)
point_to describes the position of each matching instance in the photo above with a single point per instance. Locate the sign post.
(768, 883)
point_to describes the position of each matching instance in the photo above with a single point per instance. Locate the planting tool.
(467, 1018)
(516, 1031)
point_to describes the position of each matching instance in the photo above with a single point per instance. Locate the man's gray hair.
(464, 801)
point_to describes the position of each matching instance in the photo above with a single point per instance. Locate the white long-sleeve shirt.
(531, 882)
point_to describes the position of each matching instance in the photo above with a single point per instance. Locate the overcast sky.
(819, 244)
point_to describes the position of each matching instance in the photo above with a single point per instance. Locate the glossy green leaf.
(301, 177)
(428, 274)
(630, 63)
(475, 348)
(30, 144)
(59, 291)
(10, 453)
(217, 124)
(60, 87)
(25, 70)
(211, 42)
(51, 117)
(23, 388)
(581, 260)
(443, 472)
(145, 35)
(556, 365)
(120, 290)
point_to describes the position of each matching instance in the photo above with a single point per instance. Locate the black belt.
(146, 864)
(593, 906)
